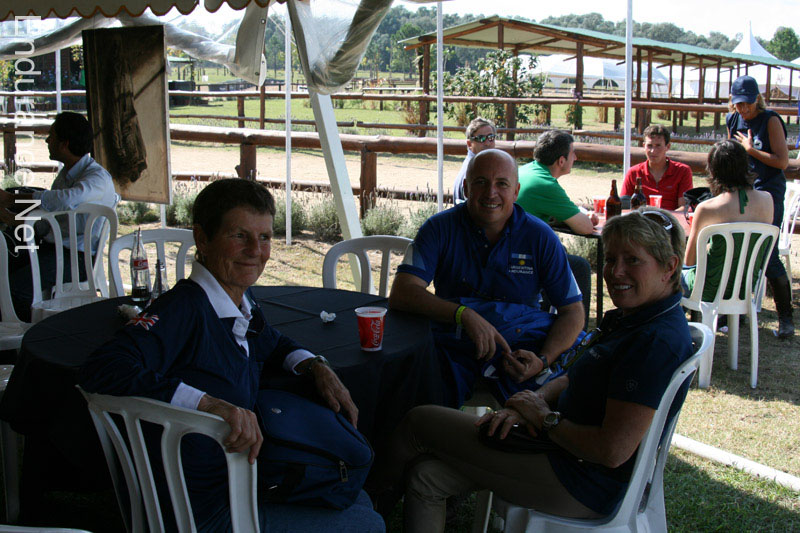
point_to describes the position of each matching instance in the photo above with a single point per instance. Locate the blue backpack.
(310, 455)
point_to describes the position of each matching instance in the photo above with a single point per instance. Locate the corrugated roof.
(520, 36)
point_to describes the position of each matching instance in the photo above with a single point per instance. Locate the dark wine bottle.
(638, 199)
(613, 203)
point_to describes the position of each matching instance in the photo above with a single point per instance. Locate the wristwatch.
(550, 421)
(317, 359)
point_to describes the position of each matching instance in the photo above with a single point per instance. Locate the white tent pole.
(58, 81)
(58, 73)
(287, 76)
(628, 88)
(439, 106)
(337, 173)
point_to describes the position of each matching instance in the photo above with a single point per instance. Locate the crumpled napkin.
(327, 317)
(129, 311)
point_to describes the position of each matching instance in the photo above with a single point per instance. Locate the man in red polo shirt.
(659, 174)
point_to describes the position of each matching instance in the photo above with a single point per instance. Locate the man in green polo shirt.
(539, 191)
(542, 196)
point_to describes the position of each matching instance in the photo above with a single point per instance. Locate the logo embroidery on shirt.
(520, 264)
(146, 321)
(757, 144)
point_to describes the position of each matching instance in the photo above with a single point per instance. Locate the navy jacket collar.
(614, 319)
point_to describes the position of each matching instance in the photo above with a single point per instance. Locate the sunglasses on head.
(483, 138)
(659, 218)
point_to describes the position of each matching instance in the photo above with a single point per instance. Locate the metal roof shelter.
(518, 37)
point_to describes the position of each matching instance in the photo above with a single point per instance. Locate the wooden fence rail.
(366, 145)
(677, 108)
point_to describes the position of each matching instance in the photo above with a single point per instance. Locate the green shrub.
(299, 216)
(573, 114)
(136, 213)
(324, 221)
(382, 220)
(9, 180)
(586, 248)
(179, 212)
(417, 218)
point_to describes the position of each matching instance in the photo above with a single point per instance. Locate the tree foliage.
(784, 44)
(493, 75)
(663, 31)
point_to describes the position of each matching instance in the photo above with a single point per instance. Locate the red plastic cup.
(370, 327)
(690, 218)
(654, 200)
(599, 205)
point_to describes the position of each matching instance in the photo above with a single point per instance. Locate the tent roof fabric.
(522, 36)
(108, 8)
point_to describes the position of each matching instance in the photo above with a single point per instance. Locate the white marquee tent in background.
(779, 78)
(598, 73)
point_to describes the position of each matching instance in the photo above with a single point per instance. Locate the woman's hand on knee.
(502, 420)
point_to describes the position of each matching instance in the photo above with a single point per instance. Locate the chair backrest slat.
(651, 456)
(359, 247)
(88, 215)
(159, 237)
(757, 241)
(791, 212)
(132, 454)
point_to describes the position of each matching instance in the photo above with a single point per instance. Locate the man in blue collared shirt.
(489, 260)
(80, 181)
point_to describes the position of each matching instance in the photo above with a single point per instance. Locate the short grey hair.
(477, 123)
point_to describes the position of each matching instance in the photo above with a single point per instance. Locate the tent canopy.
(596, 71)
(109, 8)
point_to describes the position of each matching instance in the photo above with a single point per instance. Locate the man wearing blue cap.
(763, 134)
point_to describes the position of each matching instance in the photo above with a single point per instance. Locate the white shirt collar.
(78, 168)
(220, 300)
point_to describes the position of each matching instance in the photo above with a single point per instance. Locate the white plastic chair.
(75, 293)
(11, 327)
(791, 212)
(359, 246)
(157, 237)
(744, 296)
(130, 452)
(642, 507)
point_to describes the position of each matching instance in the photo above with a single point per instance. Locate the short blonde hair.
(637, 229)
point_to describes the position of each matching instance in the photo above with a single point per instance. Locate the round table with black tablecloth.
(41, 401)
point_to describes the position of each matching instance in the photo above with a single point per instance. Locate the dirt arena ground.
(398, 172)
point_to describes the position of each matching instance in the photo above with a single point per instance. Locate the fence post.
(617, 118)
(368, 179)
(240, 109)
(548, 110)
(247, 161)
(674, 121)
(424, 107)
(9, 149)
(511, 121)
(262, 110)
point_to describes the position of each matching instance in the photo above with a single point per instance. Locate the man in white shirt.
(481, 134)
(81, 180)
